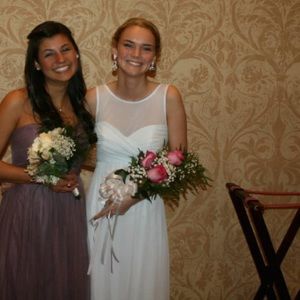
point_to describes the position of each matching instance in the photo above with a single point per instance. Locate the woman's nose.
(59, 57)
(136, 52)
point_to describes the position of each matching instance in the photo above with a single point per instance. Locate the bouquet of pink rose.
(165, 173)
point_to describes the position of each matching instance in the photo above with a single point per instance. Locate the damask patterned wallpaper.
(237, 64)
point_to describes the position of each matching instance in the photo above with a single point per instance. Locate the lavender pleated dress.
(43, 248)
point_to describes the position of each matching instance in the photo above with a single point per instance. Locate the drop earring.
(152, 67)
(37, 67)
(77, 56)
(114, 66)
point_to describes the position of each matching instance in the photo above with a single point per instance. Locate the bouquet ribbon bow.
(115, 189)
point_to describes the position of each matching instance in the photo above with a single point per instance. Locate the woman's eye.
(66, 49)
(128, 45)
(47, 54)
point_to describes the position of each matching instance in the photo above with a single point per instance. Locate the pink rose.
(175, 157)
(147, 161)
(157, 174)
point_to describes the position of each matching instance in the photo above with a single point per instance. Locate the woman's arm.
(91, 101)
(176, 119)
(11, 109)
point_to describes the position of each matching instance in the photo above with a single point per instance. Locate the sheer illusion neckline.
(129, 101)
(133, 133)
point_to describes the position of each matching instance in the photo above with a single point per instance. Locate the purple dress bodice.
(21, 140)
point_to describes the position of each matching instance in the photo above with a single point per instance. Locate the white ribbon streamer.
(109, 234)
(115, 190)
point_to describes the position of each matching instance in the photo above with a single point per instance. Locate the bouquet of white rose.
(51, 156)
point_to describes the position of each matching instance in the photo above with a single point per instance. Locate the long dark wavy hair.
(40, 100)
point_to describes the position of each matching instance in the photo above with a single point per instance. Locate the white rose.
(46, 155)
(45, 141)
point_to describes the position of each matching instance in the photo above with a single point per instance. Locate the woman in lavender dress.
(43, 252)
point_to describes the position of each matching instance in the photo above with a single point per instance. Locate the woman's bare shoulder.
(15, 99)
(173, 92)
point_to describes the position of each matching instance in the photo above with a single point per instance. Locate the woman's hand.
(111, 208)
(66, 184)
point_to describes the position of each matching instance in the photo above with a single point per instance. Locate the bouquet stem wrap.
(76, 193)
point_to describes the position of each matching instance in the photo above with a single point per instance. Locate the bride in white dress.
(132, 114)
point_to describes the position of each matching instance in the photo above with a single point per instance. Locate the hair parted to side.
(35, 81)
(44, 30)
(144, 23)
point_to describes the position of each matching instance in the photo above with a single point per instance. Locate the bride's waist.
(110, 158)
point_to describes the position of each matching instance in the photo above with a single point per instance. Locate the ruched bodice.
(21, 140)
(113, 145)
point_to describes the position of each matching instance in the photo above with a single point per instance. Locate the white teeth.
(62, 69)
(134, 63)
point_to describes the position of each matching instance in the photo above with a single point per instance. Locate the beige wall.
(237, 65)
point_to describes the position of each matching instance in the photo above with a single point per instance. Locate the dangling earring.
(152, 67)
(37, 67)
(77, 56)
(114, 66)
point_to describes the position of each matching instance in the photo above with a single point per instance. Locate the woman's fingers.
(66, 184)
(110, 208)
(102, 213)
(71, 181)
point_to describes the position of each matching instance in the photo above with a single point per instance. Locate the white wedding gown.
(140, 242)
